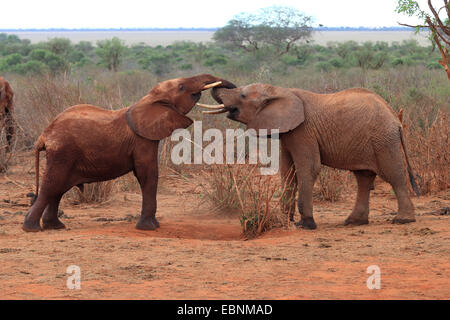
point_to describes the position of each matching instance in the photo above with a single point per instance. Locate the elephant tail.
(39, 146)
(410, 172)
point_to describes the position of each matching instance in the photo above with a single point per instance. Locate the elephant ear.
(284, 112)
(155, 121)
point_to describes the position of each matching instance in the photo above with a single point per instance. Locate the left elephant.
(87, 144)
(6, 111)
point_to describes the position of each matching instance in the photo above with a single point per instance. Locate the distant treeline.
(60, 55)
(194, 29)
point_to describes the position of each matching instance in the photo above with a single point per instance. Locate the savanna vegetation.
(50, 76)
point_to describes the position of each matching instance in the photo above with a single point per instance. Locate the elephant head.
(260, 106)
(163, 109)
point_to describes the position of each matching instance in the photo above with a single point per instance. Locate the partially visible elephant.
(86, 144)
(354, 129)
(6, 111)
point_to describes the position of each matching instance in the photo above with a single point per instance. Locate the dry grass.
(331, 183)
(97, 192)
(240, 188)
(429, 149)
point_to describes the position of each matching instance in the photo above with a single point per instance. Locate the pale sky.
(189, 13)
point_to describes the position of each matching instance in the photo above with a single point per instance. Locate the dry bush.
(428, 147)
(97, 192)
(331, 183)
(241, 188)
(40, 100)
(128, 183)
(5, 157)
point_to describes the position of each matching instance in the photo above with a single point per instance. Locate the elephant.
(6, 111)
(86, 144)
(354, 129)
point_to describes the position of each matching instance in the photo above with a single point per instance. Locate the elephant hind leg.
(393, 171)
(54, 184)
(360, 212)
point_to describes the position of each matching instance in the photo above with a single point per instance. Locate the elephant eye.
(243, 96)
(181, 87)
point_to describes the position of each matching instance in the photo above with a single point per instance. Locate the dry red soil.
(200, 254)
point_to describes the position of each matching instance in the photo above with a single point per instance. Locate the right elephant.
(353, 129)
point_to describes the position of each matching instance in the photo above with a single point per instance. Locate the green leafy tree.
(276, 26)
(59, 46)
(439, 27)
(86, 47)
(110, 53)
(54, 62)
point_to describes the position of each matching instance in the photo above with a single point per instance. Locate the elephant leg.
(54, 185)
(405, 206)
(394, 172)
(360, 212)
(9, 124)
(289, 184)
(305, 197)
(50, 218)
(148, 180)
(33, 216)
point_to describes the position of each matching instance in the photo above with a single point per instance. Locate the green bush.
(31, 67)
(215, 60)
(13, 59)
(54, 62)
(323, 66)
(398, 62)
(433, 65)
(337, 63)
(186, 66)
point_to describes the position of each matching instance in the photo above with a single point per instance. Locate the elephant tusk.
(216, 111)
(209, 106)
(212, 85)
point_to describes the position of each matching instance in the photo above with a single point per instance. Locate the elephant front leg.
(149, 184)
(305, 202)
(289, 188)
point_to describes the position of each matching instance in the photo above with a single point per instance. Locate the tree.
(440, 30)
(59, 46)
(277, 26)
(110, 53)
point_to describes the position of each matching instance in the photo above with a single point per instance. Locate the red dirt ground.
(200, 254)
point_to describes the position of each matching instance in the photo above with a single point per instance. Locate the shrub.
(323, 66)
(240, 188)
(331, 183)
(337, 63)
(186, 66)
(31, 67)
(428, 147)
(215, 60)
(97, 192)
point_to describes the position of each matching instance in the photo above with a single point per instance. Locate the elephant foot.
(306, 223)
(31, 226)
(52, 224)
(403, 220)
(147, 223)
(356, 221)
